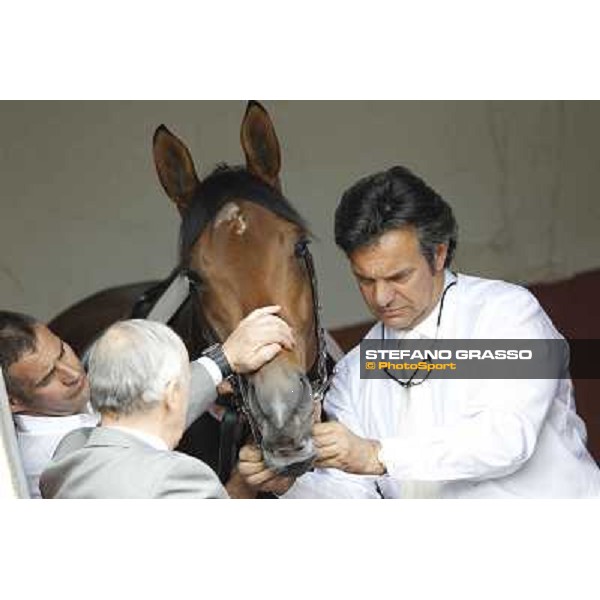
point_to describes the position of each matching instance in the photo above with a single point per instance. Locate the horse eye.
(196, 282)
(301, 247)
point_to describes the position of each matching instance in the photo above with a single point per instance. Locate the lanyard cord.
(409, 382)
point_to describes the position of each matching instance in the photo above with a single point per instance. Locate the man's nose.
(383, 293)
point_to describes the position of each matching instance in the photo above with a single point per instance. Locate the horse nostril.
(291, 444)
(299, 448)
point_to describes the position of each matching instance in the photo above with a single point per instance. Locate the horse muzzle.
(291, 462)
(282, 409)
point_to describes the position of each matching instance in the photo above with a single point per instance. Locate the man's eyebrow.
(399, 273)
(49, 374)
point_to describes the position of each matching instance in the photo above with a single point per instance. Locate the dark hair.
(17, 336)
(394, 199)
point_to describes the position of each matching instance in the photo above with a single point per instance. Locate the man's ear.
(15, 392)
(16, 405)
(441, 252)
(172, 397)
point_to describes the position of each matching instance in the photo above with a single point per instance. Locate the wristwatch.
(216, 354)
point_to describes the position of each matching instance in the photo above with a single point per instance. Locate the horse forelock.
(224, 184)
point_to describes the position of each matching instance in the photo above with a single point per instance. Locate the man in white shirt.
(48, 388)
(440, 438)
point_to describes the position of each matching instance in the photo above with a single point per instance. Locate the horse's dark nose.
(286, 446)
(290, 460)
(282, 407)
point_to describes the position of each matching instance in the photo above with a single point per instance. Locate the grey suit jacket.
(102, 462)
(202, 392)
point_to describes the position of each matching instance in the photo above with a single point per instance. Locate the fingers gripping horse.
(244, 246)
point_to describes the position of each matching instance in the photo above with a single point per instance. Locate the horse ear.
(260, 144)
(174, 166)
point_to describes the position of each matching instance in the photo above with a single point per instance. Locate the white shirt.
(38, 438)
(463, 438)
(213, 369)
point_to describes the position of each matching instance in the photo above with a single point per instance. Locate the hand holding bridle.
(337, 447)
(258, 476)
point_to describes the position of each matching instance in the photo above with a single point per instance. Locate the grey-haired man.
(139, 378)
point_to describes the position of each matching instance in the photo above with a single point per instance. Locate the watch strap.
(216, 354)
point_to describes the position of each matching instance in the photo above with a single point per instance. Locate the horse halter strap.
(323, 380)
(170, 300)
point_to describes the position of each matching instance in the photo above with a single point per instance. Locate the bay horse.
(242, 246)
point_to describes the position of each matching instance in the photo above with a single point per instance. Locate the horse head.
(245, 244)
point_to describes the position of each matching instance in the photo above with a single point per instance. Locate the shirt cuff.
(213, 369)
(398, 457)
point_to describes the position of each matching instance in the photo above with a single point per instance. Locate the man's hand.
(257, 339)
(337, 447)
(256, 474)
(237, 487)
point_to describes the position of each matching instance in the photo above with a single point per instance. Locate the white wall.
(81, 207)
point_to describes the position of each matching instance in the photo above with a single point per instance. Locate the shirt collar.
(152, 440)
(36, 424)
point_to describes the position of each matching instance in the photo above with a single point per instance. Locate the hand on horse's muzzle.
(257, 339)
(258, 476)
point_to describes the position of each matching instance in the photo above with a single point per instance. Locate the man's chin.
(397, 322)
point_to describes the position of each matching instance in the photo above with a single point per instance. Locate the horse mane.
(226, 183)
